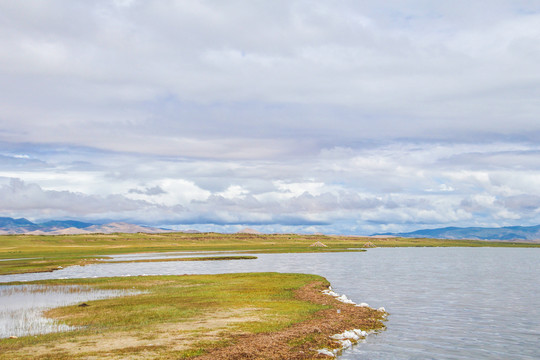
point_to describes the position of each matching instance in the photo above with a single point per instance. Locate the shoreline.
(322, 337)
(236, 328)
(40, 253)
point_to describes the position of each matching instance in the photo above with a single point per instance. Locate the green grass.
(150, 319)
(49, 252)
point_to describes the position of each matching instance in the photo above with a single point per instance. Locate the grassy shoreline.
(40, 253)
(207, 258)
(197, 315)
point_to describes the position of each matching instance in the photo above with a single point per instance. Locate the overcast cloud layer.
(303, 116)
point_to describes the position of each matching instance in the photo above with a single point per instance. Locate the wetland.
(444, 302)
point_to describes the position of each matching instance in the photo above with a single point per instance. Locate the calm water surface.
(444, 303)
(22, 306)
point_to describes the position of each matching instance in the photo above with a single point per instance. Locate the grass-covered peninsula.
(266, 315)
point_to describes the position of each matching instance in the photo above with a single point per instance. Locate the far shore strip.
(207, 258)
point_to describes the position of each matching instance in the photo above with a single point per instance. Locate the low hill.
(121, 227)
(69, 227)
(249, 231)
(508, 233)
(17, 226)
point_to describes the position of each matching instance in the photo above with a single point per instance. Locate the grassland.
(177, 317)
(33, 253)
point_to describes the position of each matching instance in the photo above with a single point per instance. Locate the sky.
(340, 117)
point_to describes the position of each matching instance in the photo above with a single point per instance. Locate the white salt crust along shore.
(349, 337)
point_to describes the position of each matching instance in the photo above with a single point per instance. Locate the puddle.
(22, 306)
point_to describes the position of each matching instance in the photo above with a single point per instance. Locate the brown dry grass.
(175, 337)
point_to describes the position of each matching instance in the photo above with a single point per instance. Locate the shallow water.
(444, 303)
(22, 306)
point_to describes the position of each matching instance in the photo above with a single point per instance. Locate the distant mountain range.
(508, 233)
(67, 227)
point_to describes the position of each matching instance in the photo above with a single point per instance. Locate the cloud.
(31, 200)
(344, 116)
(393, 186)
(151, 191)
(522, 203)
(187, 80)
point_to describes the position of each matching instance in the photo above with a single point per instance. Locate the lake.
(444, 303)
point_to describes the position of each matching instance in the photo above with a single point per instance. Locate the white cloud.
(342, 190)
(21, 198)
(371, 70)
(345, 116)
(234, 191)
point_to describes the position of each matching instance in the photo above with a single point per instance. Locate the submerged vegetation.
(33, 253)
(173, 317)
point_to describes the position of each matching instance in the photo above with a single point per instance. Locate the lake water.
(444, 303)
